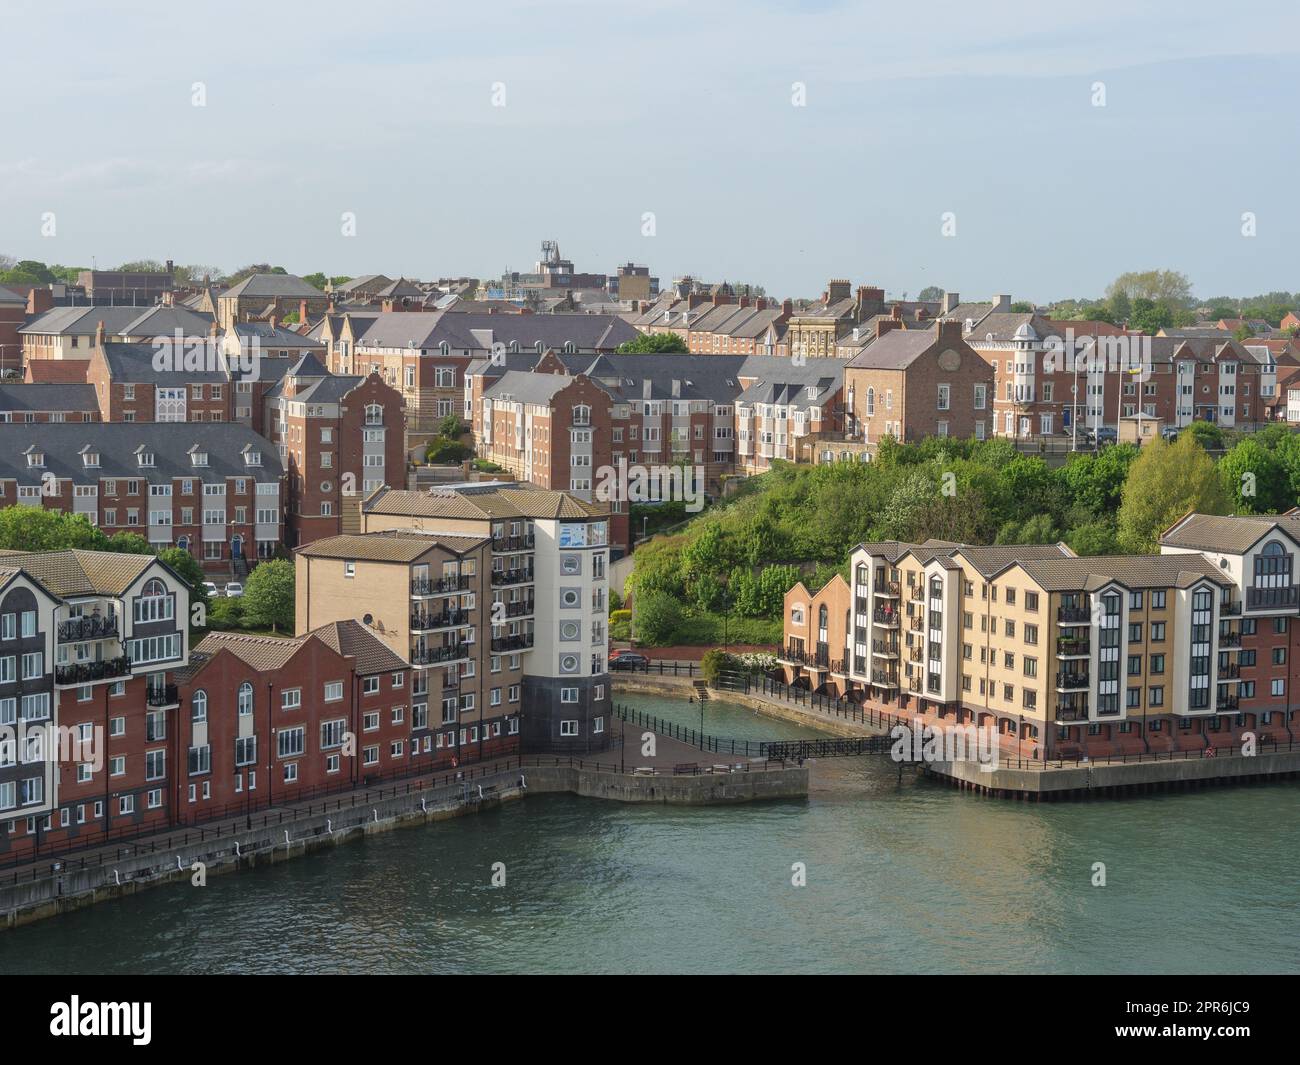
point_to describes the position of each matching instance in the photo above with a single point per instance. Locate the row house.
(1063, 656)
(27, 403)
(424, 356)
(87, 643)
(745, 327)
(911, 383)
(214, 490)
(74, 334)
(501, 586)
(339, 439)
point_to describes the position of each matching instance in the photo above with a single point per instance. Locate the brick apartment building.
(86, 640)
(912, 383)
(48, 403)
(13, 316)
(496, 593)
(213, 489)
(262, 297)
(1065, 656)
(339, 439)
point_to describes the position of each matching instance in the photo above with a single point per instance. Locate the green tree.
(1093, 538)
(128, 543)
(269, 597)
(655, 618)
(1254, 478)
(38, 529)
(1165, 482)
(654, 343)
(451, 427)
(1207, 434)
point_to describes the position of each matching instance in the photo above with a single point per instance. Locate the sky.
(1028, 148)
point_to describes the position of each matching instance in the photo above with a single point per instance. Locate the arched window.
(1272, 566)
(823, 616)
(374, 414)
(245, 699)
(199, 706)
(871, 402)
(154, 603)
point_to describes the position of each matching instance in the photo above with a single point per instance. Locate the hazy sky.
(681, 109)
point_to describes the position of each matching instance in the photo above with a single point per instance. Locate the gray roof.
(526, 386)
(896, 350)
(133, 364)
(471, 331)
(273, 286)
(10, 297)
(279, 337)
(83, 321)
(48, 397)
(117, 443)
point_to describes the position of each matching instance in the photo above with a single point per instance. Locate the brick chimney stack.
(40, 300)
(99, 335)
(950, 329)
(884, 325)
(302, 311)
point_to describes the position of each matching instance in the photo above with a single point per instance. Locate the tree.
(655, 618)
(1166, 288)
(1254, 478)
(38, 529)
(930, 294)
(1165, 482)
(451, 427)
(1207, 434)
(1093, 538)
(128, 543)
(654, 343)
(269, 597)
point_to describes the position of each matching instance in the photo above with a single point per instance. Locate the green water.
(910, 877)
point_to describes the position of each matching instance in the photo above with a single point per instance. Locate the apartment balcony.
(914, 684)
(1073, 615)
(916, 593)
(1229, 641)
(1073, 648)
(434, 656)
(1068, 682)
(884, 648)
(441, 586)
(77, 630)
(797, 656)
(887, 588)
(1071, 712)
(1230, 610)
(1230, 672)
(917, 624)
(448, 619)
(507, 544)
(916, 654)
(1229, 705)
(512, 643)
(1273, 598)
(512, 576)
(91, 672)
(520, 610)
(884, 679)
(888, 618)
(167, 695)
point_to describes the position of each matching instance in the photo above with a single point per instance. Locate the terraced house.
(1065, 656)
(214, 490)
(87, 640)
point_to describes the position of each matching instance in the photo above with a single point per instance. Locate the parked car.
(1106, 435)
(1169, 433)
(628, 660)
(234, 590)
(213, 591)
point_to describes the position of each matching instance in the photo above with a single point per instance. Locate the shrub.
(657, 618)
(715, 663)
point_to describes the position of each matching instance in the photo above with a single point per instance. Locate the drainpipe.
(270, 757)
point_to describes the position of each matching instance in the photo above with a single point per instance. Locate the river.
(906, 876)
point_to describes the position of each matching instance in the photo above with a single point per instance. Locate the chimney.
(896, 312)
(1002, 304)
(694, 300)
(951, 301)
(677, 389)
(787, 307)
(40, 300)
(950, 329)
(839, 289)
(212, 329)
(884, 325)
(744, 301)
(302, 311)
(99, 334)
(272, 323)
(760, 304)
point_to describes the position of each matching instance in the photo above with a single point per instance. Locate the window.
(291, 699)
(333, 691)
(568, 728)
(290, 742)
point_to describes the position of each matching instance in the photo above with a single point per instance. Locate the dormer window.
(90, 459)
(35, 459)
(199, 458)
(252, 458)
(145, 458)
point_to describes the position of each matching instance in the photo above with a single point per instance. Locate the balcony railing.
(1231, 703)
(917, 624)
(1230, 639)
(512, 643)
(1072, 615)
(1073, 647)
(446, 620)
(1071, 680)
(1272, 598)
(167, 695)
(513, 543)
(886, 680)
(431, 656)
(885, 617)
(441, 586)
(88, 628)
(87, 672)
(795, 653)
(917, 593)
(1230, 672)
(512, 576)
(1069, 712)
(887, 588)
(883, 647)
(520, 610)
(1230, 610)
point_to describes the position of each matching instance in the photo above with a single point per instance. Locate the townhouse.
(1062, 656)
(912, 383)
(424, 356)
(213, 489)
(262, 297)
(496, 593)
(87, 639)
(48, 403)
(339, 438)
(73, 334)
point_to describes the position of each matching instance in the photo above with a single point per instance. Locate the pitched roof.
(273, 286)
(896, 350)
(390, 545)
(355, 640)
(52, 396)
(260, 652)
(76, 572)
(1131, 571)
(482, 503)
(1227, 534)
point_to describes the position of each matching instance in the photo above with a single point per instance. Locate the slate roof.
(393, 545)
(117, 444)
(896, 350)
(353, 639)
(273, 286)
(54, 396)
(133, 363)
(470, 331)
(1131, 571)
(482, 503)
